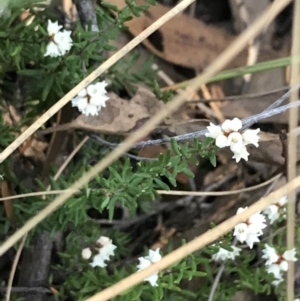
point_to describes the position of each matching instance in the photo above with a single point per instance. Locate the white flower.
(251, 137)
(53, 28)
(270, 255)
(243, 154)
(229, 134)
(52, 50)
(98, 261)
(276, 263)
(224, 254)
(90, 100)
(283, 200)
(290, 255)
(274, 211)
(233, 125)
(153, 256)
(277, 281)
(250, 230)
(105, 252)
(241, 231)
(59, 41)
(235, 142)
(214, 131)
(146, 261)
(63, 41)
(104, 240)
(86, 253)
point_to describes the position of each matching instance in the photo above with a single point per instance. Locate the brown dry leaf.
(183, 40)
(121, 116)
(30, 147)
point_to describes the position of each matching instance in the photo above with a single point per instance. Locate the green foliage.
(33, 83)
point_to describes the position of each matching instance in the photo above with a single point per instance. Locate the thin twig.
(216, 282)
(14, 267)
(246, 122)
(20, 289)
(239, 97)
(39, 193)
(218, 64)
(218, 193)
(173, 192)
(292, 148)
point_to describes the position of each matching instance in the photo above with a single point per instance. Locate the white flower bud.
(86, 253)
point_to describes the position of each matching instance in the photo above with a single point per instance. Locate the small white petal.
(82, 93)
(236, 124)
(241, 232)
(53, 27)
(251, 239)
(63, 41)
(272, 212)
(277, 281)
(257, 223)
(226, 126)
(240, 210)
(152, 279)
(214, 131)
(98, 101)
(221, 141)
(107, 250)
(52, 50)
(154, 256)
(90, 110)
(283, 200)
(233, 125)
(223, 254)
(82, 103)
(101, 87)
(98, 260)
(144, 263)
(104, 240)
(275, 270)
(270, 254)
(235, 141)
(284, 266)
(251, 137)
(290, 255)
(241, 155)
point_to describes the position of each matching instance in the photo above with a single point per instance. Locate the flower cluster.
(223, 254)
(146, 261)
(277, 263)
(90, 100)
(229, 134)
(104, 249)
(59, 41)
(273, 212)
(251, 229)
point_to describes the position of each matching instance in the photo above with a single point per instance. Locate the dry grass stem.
(172, 192)
(229, 54)
(218, 193)
(195, 244)
(292, 147)
(14, 268)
